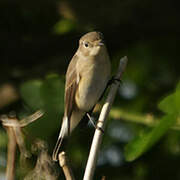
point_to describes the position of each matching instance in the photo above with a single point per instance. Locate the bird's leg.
(111, 81)
(88, 114)
(90, 119)
(95, 126)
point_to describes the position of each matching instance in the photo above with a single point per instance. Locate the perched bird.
(86, 79)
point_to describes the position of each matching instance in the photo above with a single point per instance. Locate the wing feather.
(70, 89)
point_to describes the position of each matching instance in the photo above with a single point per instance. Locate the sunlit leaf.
(167, 105)
(171, 103)
(177, 98)
(178, 87)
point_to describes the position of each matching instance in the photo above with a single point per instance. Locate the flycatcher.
(86, 79)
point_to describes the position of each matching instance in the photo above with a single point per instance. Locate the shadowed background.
(37, 41)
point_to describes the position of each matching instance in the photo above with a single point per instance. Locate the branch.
(90, 167)
(10, 170)
(63, 162)
(23, 122)
(15, 136)
(144, 119)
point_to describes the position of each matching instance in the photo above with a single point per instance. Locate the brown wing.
(70, 87)
(70, 90)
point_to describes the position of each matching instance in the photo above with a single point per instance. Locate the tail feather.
(61, 139)
(57, 149)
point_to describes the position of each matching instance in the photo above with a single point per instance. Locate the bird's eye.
(86, 44)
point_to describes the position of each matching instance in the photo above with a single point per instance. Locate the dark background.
(38, 39)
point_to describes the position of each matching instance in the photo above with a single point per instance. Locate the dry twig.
(15, 136)
(10, 170)
(63, 162)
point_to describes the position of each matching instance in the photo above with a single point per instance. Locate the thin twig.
(10, 170)
(15, 136)
(90, 167)
(144, 119)
(16, 126)
(23, 122)
(63, 162)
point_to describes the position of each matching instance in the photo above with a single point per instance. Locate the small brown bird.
(86, 79)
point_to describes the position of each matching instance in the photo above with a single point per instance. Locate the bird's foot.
(90, 119)
(114, 80)
(101, 129)
(92, 122)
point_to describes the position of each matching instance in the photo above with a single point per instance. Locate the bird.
(87, 76)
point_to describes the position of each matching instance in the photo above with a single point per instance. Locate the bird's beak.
(101, 43)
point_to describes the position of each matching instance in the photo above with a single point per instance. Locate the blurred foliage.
(38, 39)
(3, 138)
(64, 26)
(48, 95)
(169, 105)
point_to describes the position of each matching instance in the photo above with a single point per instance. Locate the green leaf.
(178, 87)
(171, 103)
(30, 93)
(167, 105)
(48, 95)
(177, 99)
(141, 144)
(64, 26)
(52, 93)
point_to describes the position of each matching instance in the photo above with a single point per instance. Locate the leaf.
(48, 95)
(167, 105)
(178, 87)
(141, 144)
(171, 103)
(177, 98)
(52, 93)
(64, 26)
(30, 93)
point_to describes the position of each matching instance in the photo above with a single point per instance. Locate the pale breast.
(92, 84)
